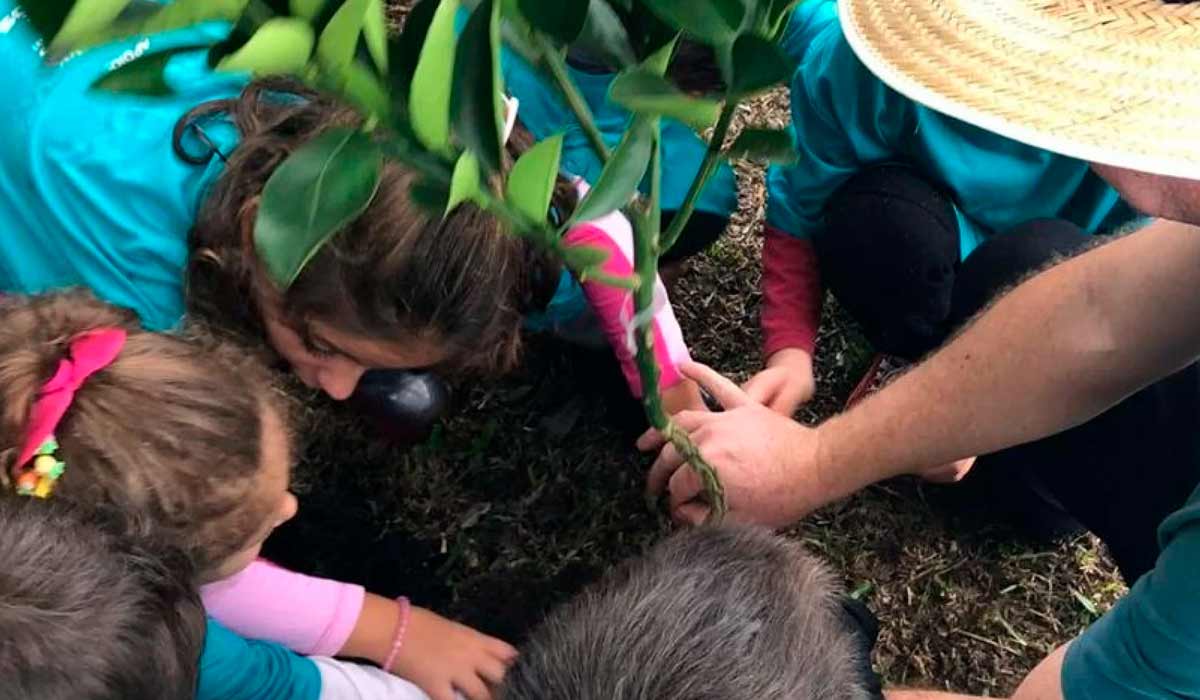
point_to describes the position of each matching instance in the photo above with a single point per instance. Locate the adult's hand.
(766, 462)
(785, 384)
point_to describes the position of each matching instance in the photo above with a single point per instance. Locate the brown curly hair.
(171, 430)
(395, 274)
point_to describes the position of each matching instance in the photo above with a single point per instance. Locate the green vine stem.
(647, 225)
(708, 166)
(557, 65)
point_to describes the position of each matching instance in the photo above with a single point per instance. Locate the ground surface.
(532, 489)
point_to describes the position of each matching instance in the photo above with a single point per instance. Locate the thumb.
(722, 388)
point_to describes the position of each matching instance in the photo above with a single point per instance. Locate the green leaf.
(335, 47)
(430, 195)
(46, 16)
(143, 75)
(772, 145)
(530, 186)
(757, 64)
(714, 21)
(307, 9)
(429, 98)
(87, 18)
(475, 105)
(643, 92)
(604, 36)
(176, 15)
(778, 14)
(466, 183)
(281, 45)
(620, 178)
(361, 87)
(660, 60)
(375, 34)
(404, 51)
(324, 185)
(561, 20)
(583, 258)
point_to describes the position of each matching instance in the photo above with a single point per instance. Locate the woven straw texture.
(1112, 81)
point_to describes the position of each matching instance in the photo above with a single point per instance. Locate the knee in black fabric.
(1004, 260)
(888, 252)
(702, 230)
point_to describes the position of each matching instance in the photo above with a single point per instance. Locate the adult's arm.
(1057, 350)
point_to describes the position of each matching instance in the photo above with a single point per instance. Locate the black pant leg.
(888, 252)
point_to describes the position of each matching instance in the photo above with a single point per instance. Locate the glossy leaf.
(46, 16)
(530, 186)
(604, 36)
(621, 177)
(773, 145)
(757, 65)
(404, 51)
(318, 190)
(659, 61)
(339, 39)
(561, 20)
(307, 9)
(714, 21)
(643, 92)
(361, 87)
(475, 104)
(429, 99)
(86, 19)
(143, 75)
(585, 258)
(430, 195)
(176, 15)
(280, 46)
(466, 182)
(778, 14)
(375, 34)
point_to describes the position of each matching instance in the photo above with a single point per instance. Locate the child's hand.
(786, 383)
(443, 656)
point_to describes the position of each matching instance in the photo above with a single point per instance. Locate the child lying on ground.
(709, 614)
(189, 435)
(91, 611)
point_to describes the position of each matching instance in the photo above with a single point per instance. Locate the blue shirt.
(845, 119)
(91, 191)
(1148, 645)
(232, 668)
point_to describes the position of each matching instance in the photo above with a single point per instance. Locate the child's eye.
(315, 347)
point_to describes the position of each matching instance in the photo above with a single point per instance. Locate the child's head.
(711, 613)
(398, 288)
(185, 432)
(90, 612)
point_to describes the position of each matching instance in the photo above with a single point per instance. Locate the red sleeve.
(792, 294)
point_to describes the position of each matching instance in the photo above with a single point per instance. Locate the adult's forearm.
(1054, 352)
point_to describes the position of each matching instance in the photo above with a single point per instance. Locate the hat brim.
(1060, 76)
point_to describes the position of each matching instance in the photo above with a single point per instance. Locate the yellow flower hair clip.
(44, 470)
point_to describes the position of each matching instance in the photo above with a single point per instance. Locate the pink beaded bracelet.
(398, 637)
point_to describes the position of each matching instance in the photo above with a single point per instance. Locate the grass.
(532, 489)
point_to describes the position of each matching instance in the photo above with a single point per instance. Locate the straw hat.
(1110, 81)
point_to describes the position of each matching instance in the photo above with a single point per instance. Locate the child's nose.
(340, 380)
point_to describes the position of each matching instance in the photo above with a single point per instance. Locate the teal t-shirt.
(232, 668)
(845, 119)
(91, 191)
(1148, 645)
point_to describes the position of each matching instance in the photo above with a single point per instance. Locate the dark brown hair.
(395, 274)
(171, 430)
(89, 611)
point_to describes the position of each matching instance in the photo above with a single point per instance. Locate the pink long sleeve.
(792, 294)
(309, 615)
(614, 307)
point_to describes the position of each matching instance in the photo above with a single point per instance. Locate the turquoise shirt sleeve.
(1148, 645)
(843, 119)
(233, 668)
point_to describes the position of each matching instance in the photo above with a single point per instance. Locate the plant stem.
(583, 114)
(647, 225)
(708, 166)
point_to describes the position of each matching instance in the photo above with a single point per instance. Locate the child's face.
(274, 481)
(334, 361)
